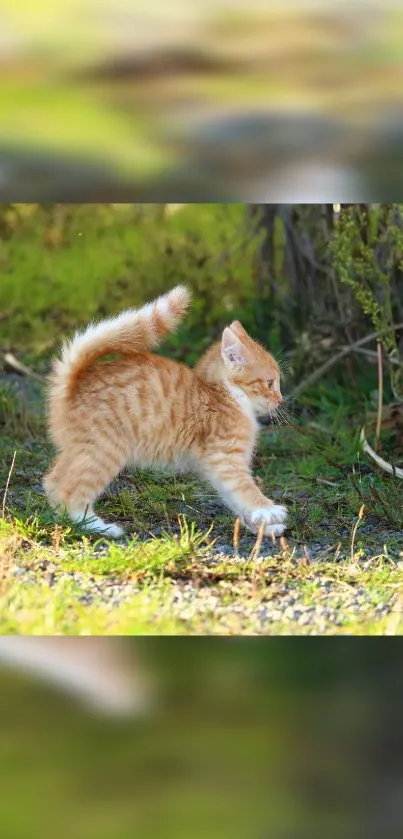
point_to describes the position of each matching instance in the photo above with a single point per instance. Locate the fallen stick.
(13, 362)
(383, 464)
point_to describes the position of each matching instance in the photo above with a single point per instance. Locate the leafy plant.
(366, 246)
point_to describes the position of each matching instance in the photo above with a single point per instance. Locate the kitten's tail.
(135, 330)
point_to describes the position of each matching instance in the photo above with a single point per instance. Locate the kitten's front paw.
(273, 517)
(113, 531)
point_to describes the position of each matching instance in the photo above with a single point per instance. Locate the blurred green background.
(253, 739)
(199, 100)
(306, 280)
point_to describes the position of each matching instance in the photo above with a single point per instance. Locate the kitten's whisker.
(285, 412)
(281, 419)
(285, 406)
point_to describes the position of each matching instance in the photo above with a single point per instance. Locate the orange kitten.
(147, 410)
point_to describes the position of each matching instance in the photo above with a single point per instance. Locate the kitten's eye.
(270, 382)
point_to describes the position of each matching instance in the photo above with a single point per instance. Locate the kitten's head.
(251, 369)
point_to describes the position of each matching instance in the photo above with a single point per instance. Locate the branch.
(317, 374)
(11, 361)
(387, 467)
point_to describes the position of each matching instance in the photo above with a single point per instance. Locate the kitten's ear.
(237, 327)
(233, 352)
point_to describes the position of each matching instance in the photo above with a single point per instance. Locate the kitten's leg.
(77, 479)
(234, 483)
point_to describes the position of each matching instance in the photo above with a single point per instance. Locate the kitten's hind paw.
(273, 518)
(113, 531)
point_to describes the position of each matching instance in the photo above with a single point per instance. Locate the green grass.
(175, 573)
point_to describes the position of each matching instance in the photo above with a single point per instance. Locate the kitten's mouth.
(269, 419)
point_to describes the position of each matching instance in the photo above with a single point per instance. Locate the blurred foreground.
(250, 739)
(218, 100)
(95, 671)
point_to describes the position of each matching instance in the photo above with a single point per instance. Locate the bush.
(62, 266)
(367, 250)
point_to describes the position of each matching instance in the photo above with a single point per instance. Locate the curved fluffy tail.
(135, 330)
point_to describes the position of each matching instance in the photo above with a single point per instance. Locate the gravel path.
(208, 604)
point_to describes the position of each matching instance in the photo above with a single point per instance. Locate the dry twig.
(258, 544)
(317, 374)
(3, 509)
(237, 527)
(11, 361)
(354, 533)
(380, 395)
(387, 467)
